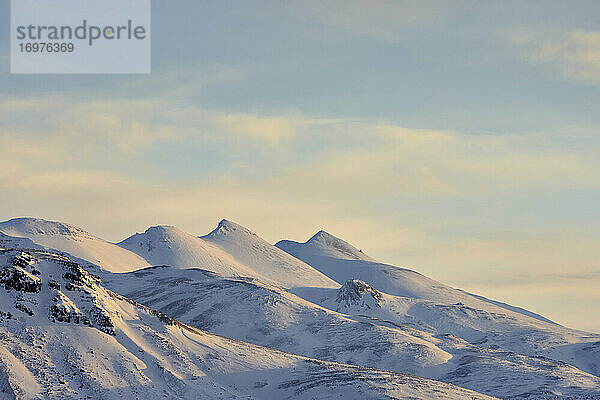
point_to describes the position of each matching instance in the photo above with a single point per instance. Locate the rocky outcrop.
(17, 278)
(358, 293)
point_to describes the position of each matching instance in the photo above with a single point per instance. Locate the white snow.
(151, 356)
(348, 319)
(342, 262)
(75, 241)
(229, 250)
(265, 259)
(167, 245)
(266, 315)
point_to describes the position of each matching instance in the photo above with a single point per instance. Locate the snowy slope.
(167, 245)
(251, 311)
(409, 298)
(64, 336)
(265, 259)
(229, 250)
(486, 327)
(74, 241)
(12, 242)
(325, 244)
(342, 262)
(382, 317)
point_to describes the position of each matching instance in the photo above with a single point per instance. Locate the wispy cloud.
(427, 164)
(386, 158)
(99, 127)
(414, 197)
(271, 130)
(574, 55)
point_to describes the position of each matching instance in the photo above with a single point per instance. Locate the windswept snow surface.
(342, 262)
(251, 311)
(323, 299)
(411, 299)
(64, 336)
(167, 245)
(74, 241)
(265, 259)
(229, 250)
(12, 242)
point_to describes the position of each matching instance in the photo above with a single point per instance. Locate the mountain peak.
(226, 226)
(225, 223)
(71, 240)
(323, 236)
(329, 243)
(24, 226)
(154, 233)
(353, 293)
(267, 261)
(162, 229)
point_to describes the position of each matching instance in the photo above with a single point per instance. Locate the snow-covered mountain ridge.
(267, 260)
(64, 336)
(274, 318)
(74, 241)
(323, 299)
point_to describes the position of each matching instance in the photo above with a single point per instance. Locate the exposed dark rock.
(20, 280)
(70, 287)
(53, 284)
(5, 315)
(23, 260)
(102, 321)
(59, 313)
(78, 276)
(353, 292)
(24, 308)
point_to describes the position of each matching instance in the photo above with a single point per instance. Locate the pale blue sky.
(457, 138)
